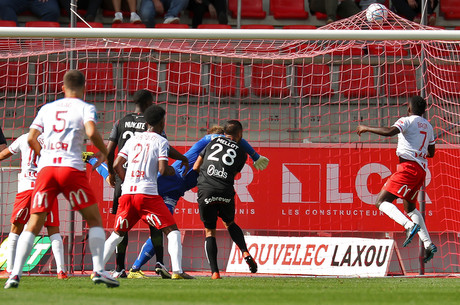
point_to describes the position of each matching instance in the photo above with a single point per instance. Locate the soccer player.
(147, 155)
(171, 188)
(21, 207)
(416, 143)
(64, 124)
(121, 132)
(217, 165)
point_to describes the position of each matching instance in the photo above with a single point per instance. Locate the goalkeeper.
(171, 188)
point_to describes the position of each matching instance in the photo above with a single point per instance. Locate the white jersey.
(416, 133)
(62, 124)
(142, 152)
(28, 172)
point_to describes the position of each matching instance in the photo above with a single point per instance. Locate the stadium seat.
(89, 25)
(400, 80)
(184, 78)
(14, 75)
(269, 80)
(171, 26)
(313, 80)
(357, 80)
(43, 44)
(214, 26)
(9, 45)
(288, 9)
(299, 27)
(354, 50)
(258, 27)
(225, 82)
(93, 45)
(128, 26)
(387, 50)
(249, 9)
(99, 76)
(140, 75)
(450, 8)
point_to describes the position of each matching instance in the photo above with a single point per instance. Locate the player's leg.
(208, 215)
(175, 252)
(120, 252)
(24, 246)
(417, 217)
(111, 243)
(57, 246)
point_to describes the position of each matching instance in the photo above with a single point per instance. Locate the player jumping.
(415, 143)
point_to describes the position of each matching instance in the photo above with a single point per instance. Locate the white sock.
(175, 251)
(25, 244)
(57, 246)
(110, 244)
(11, 251)
(394, 213)
(96, 238)
(417, 217)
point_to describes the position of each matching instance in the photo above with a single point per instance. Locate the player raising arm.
(147, 155)
(21, 208)
(64, 124)
(415, 144)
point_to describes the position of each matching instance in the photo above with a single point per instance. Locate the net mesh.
(299, 102)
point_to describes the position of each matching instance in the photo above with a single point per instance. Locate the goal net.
(300, 101)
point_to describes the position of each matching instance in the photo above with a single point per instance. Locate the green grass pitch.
(237, 290)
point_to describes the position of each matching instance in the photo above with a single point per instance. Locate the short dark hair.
(143, 97)
(417, 105)
(154, 114)
(233, 127)
(74, 80)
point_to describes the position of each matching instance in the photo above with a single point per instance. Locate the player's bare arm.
(111, 146)
(198, 163)
(32, 139)
(431, 151)
(95, 137)
(2, 147)
(118, 167)
(174, 154)
(381, 131)
(164, 169)
(5, 154)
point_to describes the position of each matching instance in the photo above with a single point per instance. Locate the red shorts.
(72, 183)
(21, 210)
(407, 180)
(149, 208)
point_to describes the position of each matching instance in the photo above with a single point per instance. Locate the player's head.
(143, 99)
(234, 130)
(155, 117)
(74, 84)
(417, 105)
(216, 129)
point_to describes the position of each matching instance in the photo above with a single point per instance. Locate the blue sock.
(101, 169)
(147, 252)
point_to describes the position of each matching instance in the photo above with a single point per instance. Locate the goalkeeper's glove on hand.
(261, 163)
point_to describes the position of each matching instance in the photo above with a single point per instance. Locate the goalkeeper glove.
(261, 163)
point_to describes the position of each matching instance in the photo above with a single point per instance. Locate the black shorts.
(214, 204)
(116, 194)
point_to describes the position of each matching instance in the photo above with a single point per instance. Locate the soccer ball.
(376, 13)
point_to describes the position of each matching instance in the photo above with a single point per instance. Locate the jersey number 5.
(59, 120)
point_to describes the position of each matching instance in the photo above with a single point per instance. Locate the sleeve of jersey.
(89, 114)
(400, 124)
(249, 150)
(113, 137)
(124, 151)
(164, 150)
(14, 148)
(38, 121)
